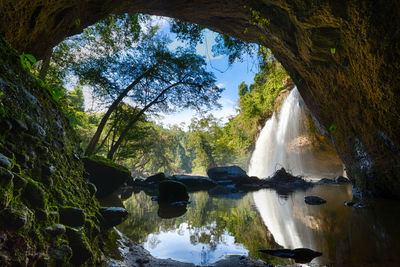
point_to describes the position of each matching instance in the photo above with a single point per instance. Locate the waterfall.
(275, 147)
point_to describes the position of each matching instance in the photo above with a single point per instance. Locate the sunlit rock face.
(344, 58)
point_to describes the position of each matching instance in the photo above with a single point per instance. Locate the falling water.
(274, 149)
(275, 145)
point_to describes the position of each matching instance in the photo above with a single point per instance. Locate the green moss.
(108, 162)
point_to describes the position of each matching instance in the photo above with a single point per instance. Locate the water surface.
(215, 227)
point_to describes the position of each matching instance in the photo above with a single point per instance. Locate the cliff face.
(343, 56)
(48, 212)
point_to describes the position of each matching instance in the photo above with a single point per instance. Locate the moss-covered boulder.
(105, 175)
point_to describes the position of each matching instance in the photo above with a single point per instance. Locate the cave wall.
(344, 57)
(49, 215)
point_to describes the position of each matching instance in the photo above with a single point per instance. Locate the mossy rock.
(16, 217)
(81, 251)
(72, 216)
(34, 195)
(105, 175)
(172, 191)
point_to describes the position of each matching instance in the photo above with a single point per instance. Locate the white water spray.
(274, 147)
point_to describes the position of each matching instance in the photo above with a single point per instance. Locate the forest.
(132, 75)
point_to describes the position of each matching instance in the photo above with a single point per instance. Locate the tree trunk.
(96, 137)
(136, 118)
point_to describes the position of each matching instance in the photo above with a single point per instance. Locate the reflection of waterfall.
(274, 147)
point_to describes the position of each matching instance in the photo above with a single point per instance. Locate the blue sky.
(228, 77)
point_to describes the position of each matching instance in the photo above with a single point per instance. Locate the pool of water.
(213, 228)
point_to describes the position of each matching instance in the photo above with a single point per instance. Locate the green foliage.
(333, 50)
(257, 19)
(27, 60)
(256, 104)
(332, 128)
(193, 34)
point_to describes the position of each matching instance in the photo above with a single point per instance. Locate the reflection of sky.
(177, 244)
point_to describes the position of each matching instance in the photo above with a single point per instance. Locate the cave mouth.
(343, 59)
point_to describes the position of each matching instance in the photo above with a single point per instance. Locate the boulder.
(112, 216)
(172, 191)
(105, 175)
(61, 254)
(81, 251)
(56, 229)
(156, 178)
(314, 200)
(194, 183)
(16, 217)
(4, 162)
(5, 176)
(342, 180)
(326, 181)
(233, 173)
(72, 216)
(34, 195)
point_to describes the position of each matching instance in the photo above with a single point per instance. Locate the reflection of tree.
(208, 219)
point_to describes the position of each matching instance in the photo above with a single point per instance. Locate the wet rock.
(48, 182)
(48, 170)
(233, 173)
(282, 175)
(43, 150)
(41, 215)
(20, 125)
(172, 191)
(4, 162)
(92, 188)
(354, 204)
(156, 178)
(107, 176)
(112, 216)
(300, 255)
(137, 182)
(34, 195)
(80, 248)
(314, 200)
(72, 216)
(19, 182)
(56, 229)
(342, 180)
(326, 181)
(61, 254)
(38, 130)
(349, 203)
(5, 176)
(194, 183)
(16, 217)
